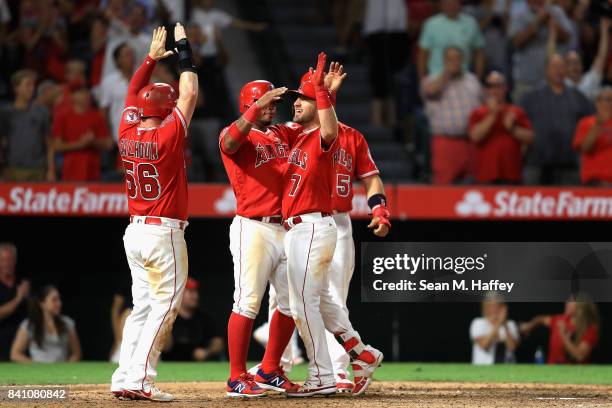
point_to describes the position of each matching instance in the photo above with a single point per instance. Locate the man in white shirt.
(111, 93)
(494, 337)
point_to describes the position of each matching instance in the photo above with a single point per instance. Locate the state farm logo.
(536, 203)
(81, 200)
(473, 203)
(227, 203)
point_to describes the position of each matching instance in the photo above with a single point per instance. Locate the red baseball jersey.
(154, 163)
(308, 180)
(256, 169)
(352, 160)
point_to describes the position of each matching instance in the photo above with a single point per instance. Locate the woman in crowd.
(46, 336)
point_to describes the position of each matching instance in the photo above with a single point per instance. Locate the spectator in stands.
(385, 31)
(132, 32)
(588, 83)
(42, 32)
(450, 96)
(348, 16)
(80, 133)
(573, 334)
(554, 110)
(194, 336)
(593, 139)
(74, 71)
(213, 56)
(97, 49)
(46, 336)
(111, 93)
(48, 94)
(120, 310)
(25, 130)
(494, 337)
(493, 21)
(12, 295)
(529, 31)
(450, 27)
(205, 14)
(500, 131)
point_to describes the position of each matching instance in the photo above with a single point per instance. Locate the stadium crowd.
(510, 91)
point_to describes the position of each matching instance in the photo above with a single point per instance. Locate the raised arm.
(325, 109)
(142, 76)
(188, 81)
(599, 64)
(234, 135)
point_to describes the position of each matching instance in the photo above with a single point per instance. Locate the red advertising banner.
(406, 201)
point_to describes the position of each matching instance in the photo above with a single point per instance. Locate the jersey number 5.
(142, 177)
(343, 185)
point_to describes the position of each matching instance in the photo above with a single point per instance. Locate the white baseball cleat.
(310, 388)
(154, 394)
(343, 384)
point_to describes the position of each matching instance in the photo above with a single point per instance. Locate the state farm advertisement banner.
(503, 202)
(406, 201)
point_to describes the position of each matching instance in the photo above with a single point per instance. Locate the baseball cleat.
(120, 394)
(275, 381)
(311, 389)
(363, 368)
(154, 394)
(244, 387)
(343, 384)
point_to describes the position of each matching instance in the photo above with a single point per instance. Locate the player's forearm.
(373, 185)
(188, 93)
(142, 76)
(329, 124)
(237, 132)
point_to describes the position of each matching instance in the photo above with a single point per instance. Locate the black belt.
(276, 219)
(298, 220)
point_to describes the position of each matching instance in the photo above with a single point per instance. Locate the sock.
(239, 330)
(355, 348)
(281, 330)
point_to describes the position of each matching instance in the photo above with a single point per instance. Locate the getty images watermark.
(467, 271)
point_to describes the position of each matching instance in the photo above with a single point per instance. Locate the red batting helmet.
(251, 92)
(157, 99)
(306, 89)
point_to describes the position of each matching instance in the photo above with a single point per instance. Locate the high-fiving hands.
(157, 50)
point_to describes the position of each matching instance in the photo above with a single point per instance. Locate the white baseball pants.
(310, 247)
(157, 256)
(259, 258)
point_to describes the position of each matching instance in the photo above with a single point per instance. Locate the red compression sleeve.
(142, 76)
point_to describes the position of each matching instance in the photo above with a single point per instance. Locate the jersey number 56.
(142, 177)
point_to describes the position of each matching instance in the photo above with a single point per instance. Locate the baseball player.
(352, 161)
(255, 154)
(311, 240)
(151, 142)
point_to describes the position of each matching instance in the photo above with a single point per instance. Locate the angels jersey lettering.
(352, 160)
(308, 177)
(256, 169)
(154, 163)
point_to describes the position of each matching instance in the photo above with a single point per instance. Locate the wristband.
(252, 113)
(150, 60)
(323, 99)
(234, 133)
(376, 200)
(332, 98)
(185, 56)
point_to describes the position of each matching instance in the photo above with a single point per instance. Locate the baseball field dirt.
(380, 394)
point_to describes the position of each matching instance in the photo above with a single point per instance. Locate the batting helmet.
(157, 99)
(306, 89)
(251, 92)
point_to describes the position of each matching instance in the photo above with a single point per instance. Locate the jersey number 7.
(142, 177)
